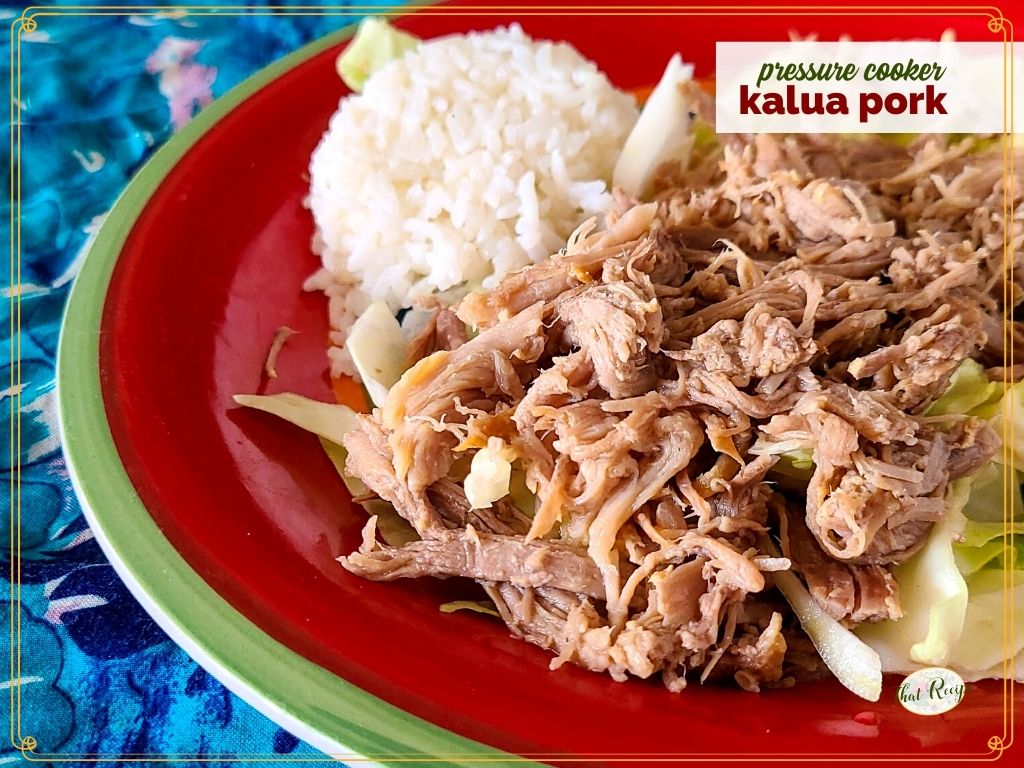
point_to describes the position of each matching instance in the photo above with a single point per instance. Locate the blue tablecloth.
(98, 95)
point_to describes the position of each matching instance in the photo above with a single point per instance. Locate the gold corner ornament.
(27, 23)
(997, 744)
(997, 23)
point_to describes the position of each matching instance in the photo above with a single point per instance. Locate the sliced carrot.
(350, 392)
(641, 93)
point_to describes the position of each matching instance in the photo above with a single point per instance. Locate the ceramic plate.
(226, 523)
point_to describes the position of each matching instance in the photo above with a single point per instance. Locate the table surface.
(98, 96)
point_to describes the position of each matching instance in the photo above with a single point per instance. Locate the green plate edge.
(318, 706)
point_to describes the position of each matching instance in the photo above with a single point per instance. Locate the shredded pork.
(751, 352)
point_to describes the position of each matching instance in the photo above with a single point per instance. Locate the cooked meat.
(756, 656)
(588, 641)
(529, 615)
(668, 641)
(478, 555)
(972, 443)
(443, 331)
(847, 592)
(823, 209)
(751, 354)
(369, 458)
(851, 334)
(761, 346)
(677, 439)
(618, 326)
(503, 517)
(584, 258)
(675, 592)
(918, 368)
(425, 408)
(880, 475)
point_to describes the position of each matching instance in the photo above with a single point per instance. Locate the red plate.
(213, 266)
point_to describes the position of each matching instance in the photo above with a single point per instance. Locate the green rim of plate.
(320, 707)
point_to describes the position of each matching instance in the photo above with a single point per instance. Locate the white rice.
(472, 156)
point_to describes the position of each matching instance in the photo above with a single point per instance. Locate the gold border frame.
(27, 22)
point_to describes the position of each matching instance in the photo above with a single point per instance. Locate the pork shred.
(751, 352)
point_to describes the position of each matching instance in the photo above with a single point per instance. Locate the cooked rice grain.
(470, 157)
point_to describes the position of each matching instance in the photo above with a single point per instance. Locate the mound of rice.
(471, 156)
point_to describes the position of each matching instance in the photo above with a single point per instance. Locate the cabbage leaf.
(854, 663)
(331, 422)
(952, 590)
(1009, 423)
(476, 606)
(490, 474)
(991, 489)
(662, 133)
(984, 645)
(378, 349)
(394, 529)
(375, 44)
(969, 393)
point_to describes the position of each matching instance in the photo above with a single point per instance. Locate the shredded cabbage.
(990, 491)
(330, 422)
(661, 134)
(377, 347)
(490, 473)
(469, 605)
(855, 664)
(987, 541)
(978, 534)
(797, 465)
(375, 44)
(991, 554)
(984, 644)
(394, 529)
(970, 393)
(521, 495)
(1009, 422)
(952, 590)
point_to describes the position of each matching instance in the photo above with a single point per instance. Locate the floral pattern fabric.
(98, 95)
